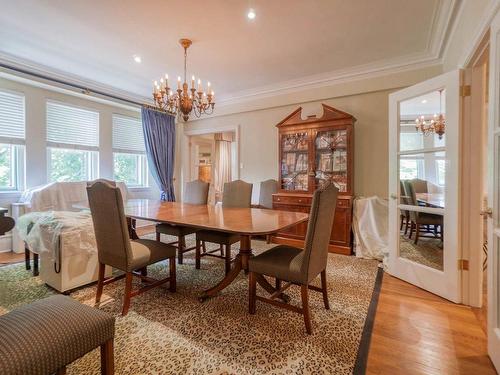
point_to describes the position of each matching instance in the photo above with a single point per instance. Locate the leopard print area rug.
(173, 333)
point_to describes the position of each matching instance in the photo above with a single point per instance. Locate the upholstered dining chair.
(196, 192)
(115, 249)
(405, 214)
(422, 221)
(267, 189)
(420, 186)
(236, 194)
(297, 266)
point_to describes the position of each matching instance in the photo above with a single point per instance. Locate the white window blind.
(12, 124)
(127, 135)
(72, 127)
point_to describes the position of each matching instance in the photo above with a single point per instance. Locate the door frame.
(449, 285)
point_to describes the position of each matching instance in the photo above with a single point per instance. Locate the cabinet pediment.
(329, 114)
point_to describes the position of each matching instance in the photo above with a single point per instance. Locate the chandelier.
(184, 100)
(436, 125)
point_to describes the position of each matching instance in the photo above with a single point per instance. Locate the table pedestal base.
(240, 263)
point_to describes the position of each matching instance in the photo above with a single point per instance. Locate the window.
(12, 140)
(73, 143)
(129, 152)
(410, 168)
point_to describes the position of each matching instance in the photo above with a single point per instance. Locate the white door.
(494, 196)
(424, 186)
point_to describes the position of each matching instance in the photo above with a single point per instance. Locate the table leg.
(240, 263)
(131, 229)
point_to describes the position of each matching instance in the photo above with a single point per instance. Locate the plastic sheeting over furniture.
(371, 230)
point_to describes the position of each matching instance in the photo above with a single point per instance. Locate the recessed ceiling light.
(251, 14)
(424, 101)
(137, 59)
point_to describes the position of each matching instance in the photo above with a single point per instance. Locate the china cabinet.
(313, 151)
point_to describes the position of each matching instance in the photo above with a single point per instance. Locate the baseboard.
(5, 243)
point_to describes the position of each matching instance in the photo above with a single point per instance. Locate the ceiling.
(427, 104)
(289, 41)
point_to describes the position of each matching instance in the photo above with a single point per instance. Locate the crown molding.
(42, 70)
(444, 17)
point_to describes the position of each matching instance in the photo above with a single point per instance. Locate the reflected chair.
(419, 186)
(267, 189)
(114, 247)
(297, 266)
(405, 214)
(196, 192)
(421, 221)
(237, 194)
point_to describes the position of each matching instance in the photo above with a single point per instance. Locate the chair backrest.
(411, 197)
(237, 194)
(109, 182)
(267, 189)
(110, 225)
(420, 186)
(196, 192)
(319, 229)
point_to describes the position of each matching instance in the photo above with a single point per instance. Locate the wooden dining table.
(431, 199)
(246, 222)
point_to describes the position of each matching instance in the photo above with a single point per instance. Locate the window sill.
(139, 189)
(10, 194)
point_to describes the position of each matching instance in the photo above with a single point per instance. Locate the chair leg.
(100, 282)
(27, 262)
(128, 290)
(182, 247)
(61, 371)
(204, 245)
(35, 264)
(107, 358)
(401, 222)
(173, 275)
(221, 249)
(158, 236)
(417, 232)
(144, 271)
(305, 308)
(411, 229)
(198, 254)
(324, 290)
(407, 226)
(268, 239)
(278, 284)
(228, 259)
(252, 292)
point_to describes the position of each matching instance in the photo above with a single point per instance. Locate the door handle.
(487, 212)
(394, 196)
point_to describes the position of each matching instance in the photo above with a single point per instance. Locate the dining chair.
(297, 266)
(115, 249)
(405, 214)
(196, 192)
(422, 221)
(236, 194)
(267, 189)
(420, 186)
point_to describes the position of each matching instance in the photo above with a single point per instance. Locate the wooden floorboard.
(416, 332)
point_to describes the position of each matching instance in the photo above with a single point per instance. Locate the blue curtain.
(159, 137)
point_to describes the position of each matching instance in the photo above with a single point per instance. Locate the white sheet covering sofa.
(61, 235)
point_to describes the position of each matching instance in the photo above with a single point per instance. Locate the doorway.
(213, 159)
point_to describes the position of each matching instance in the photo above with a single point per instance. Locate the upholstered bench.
(45, 336)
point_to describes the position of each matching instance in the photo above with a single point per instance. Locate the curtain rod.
(85, 90)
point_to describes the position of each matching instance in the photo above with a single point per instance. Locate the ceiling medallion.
(436, 125)
(184, 100)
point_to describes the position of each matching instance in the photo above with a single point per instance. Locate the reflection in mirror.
(419, 122)
(421, 238)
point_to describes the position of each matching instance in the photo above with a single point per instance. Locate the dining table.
(246, 222)
(431, 199)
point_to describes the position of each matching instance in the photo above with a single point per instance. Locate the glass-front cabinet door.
(295, 161)
(331, 158)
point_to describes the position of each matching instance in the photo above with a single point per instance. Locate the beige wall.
(258, 134)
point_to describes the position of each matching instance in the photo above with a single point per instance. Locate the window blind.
(72, 127)
(12, 124)
(127, 135)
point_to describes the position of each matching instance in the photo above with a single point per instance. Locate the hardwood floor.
(416, 332)
(11, 257)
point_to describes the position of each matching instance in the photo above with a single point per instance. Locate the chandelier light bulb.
(251, 14)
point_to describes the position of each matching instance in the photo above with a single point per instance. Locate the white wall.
(36, 153)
